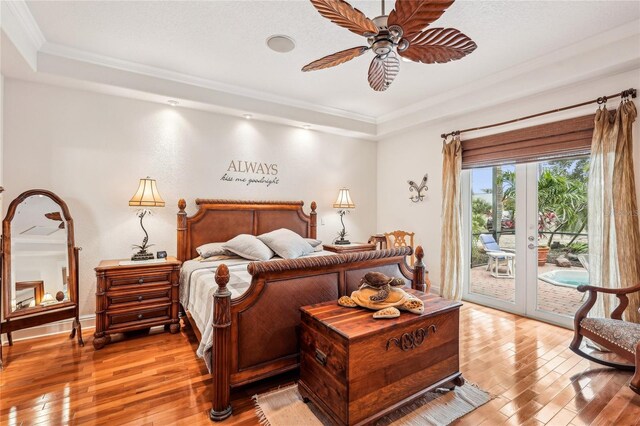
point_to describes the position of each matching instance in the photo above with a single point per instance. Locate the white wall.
(411, 154)
(91, 149)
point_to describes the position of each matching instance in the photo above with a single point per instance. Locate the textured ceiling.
(224, 41)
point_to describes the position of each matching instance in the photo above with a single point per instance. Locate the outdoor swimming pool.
(568, 278)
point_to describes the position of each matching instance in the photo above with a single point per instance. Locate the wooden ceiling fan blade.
(335, 58)
(414, 15)
(382, 72)
(342, 13)
(439, 45)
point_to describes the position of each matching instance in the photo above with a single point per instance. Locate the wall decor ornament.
(422, 187)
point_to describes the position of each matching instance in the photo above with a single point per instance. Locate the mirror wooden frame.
(39, 315)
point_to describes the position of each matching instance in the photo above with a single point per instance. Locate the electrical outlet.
(321, 221)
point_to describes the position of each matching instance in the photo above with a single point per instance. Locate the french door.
(525, 230)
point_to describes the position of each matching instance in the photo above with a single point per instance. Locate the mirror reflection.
(39, 254)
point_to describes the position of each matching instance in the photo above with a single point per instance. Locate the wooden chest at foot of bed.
(357, 369)
(135, 297)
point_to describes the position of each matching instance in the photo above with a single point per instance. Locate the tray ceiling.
(224, 42)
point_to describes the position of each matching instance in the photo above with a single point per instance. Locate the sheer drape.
(451, 245)
(614, 234)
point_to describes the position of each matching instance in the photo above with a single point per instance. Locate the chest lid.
(354, 323)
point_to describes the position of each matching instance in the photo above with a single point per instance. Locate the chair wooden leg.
(634, 384)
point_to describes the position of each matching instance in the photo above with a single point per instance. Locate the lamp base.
(142, 255)
(342, 242)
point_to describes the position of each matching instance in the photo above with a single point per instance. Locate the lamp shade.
(344, 200)
(147, 194)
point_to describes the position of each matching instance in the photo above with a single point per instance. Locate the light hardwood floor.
(157, 379)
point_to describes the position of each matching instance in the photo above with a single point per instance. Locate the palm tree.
(562, 203)
(562, 196)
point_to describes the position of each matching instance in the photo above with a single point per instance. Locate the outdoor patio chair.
(496, 256)
(584, 260)
(620, 337)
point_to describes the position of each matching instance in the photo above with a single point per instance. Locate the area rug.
(284, 407)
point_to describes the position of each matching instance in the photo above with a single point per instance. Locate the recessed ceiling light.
(306, 126)
(247, 116)
(172, 102)
(281, 43)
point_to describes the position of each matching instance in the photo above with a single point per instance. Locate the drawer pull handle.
(141, 280)
(140, 298)
(140, 316)
(321, 357)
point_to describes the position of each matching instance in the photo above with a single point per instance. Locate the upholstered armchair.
(620, 337)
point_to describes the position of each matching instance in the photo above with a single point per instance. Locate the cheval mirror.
(39, 264)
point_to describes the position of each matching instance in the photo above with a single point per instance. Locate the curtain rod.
(600, 100)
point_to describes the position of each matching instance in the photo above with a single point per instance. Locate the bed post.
(221, 350)
(313, 227)
(182, 231)
(419, 283)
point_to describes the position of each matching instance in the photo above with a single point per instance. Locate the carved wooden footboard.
(255, 336)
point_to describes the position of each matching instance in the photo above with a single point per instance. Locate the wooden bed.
(255, 335)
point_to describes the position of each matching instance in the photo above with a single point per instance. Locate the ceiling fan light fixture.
(404, 33)
(281, 43)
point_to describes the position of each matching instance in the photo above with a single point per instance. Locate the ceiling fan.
(403, 31)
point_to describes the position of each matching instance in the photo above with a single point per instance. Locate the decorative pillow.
(248, 247)
(211, 249)
(316, 244)
(286, 243)
(312, 242)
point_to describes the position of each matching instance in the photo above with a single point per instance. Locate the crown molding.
(564, 54)
(151, 71)
(22, 29)
(23, 14)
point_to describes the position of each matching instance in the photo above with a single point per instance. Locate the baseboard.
(87, 321)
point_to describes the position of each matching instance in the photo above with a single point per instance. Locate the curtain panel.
(451, 243)
(614, 232)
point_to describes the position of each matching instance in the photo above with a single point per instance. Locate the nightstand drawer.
(136, 280)
(140, 316)
(133, 298)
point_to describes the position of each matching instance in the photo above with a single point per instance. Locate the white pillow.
(248, 247)
(286, 243)
(314, 243)
(211, 249)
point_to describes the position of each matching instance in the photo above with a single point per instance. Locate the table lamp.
(146, 196)
(343, 203)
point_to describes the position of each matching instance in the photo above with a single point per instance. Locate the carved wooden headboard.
(221, 220)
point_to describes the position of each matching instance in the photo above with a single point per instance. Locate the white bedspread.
(198, 284)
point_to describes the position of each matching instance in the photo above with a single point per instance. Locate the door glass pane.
(563, 246)
(493, 226)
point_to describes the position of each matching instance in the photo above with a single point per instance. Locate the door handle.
(532, 246)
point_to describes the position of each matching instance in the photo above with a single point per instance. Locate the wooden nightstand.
(349, 248)
(135, 297)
